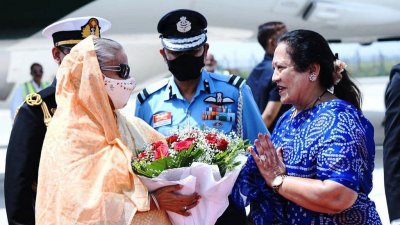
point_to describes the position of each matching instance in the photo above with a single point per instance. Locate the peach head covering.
(85, 174)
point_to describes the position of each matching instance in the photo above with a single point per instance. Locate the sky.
(245, 54)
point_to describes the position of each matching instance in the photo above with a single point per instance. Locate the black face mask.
(186, 67)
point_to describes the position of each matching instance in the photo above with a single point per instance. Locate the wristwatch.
(277, 182)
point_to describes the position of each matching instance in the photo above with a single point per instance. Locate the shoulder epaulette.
(146, 92)
(221, 77)
(31, 100)
(236, 81)
(35, 99)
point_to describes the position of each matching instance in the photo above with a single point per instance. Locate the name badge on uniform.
(161, 119)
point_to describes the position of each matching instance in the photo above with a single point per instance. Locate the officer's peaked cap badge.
(183, 25)
(91, 28)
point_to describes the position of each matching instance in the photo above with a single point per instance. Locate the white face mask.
(119, 90)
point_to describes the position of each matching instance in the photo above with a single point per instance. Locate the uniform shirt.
(260, 82)
(214, 105)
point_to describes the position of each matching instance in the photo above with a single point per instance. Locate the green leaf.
(225, 160)
(184, 158)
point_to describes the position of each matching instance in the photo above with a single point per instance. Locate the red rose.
(160, 149)
(222, 144)
(183, 145)
(142, 155)
(171, 139)
(211, 138)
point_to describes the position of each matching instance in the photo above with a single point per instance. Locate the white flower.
(339, 67)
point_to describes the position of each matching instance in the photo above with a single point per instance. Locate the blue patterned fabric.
(332, 141)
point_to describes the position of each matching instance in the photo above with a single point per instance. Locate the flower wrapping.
(206, 181)
(205, 161)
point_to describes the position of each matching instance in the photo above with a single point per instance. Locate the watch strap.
(275, 188)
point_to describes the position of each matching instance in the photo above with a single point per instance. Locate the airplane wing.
(23, 18)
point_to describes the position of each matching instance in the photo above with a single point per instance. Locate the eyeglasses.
(122, 70)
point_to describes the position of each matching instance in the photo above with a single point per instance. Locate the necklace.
(295, 112)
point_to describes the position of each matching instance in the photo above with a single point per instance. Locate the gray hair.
(106, 49)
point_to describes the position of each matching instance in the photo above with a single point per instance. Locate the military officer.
(195, 97)
(30, 125)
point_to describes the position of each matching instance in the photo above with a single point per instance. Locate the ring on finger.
(185, 208)
(263, 158)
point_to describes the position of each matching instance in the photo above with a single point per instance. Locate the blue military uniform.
(216, 104)
(30, 126)
(219, 101)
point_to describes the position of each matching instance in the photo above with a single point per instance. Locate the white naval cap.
(70, 31)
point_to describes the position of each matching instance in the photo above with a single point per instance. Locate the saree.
(331, 141)
(85, 174)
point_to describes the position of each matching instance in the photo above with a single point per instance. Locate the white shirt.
(395, 222)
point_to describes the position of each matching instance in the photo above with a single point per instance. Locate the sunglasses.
(65, 50)
(122, 70)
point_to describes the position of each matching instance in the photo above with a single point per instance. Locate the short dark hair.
(267, 30)
(306, 47)
(35, 64)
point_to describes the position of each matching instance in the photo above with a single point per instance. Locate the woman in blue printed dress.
(317, 167)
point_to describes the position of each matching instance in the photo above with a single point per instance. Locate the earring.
(312, 76)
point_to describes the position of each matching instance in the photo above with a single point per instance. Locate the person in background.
(391, 146)
(210, 63)
(264, 90)
(86, 156)
(30, 124)
(317, 166)
(195, 97)
(32, 86)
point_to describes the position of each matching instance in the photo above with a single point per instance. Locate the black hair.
(35, 64)
(267, 30)
(307, 47)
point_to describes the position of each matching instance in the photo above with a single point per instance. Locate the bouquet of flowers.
(205, 161)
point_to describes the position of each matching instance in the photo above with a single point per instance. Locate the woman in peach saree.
(85, 174)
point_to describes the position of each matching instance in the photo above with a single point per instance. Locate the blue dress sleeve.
(348, 153)
(250, 188)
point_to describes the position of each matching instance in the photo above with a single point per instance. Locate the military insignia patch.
(91, 28)
(161, 119)
(219, 99)
(183, 25)
(218, 112)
